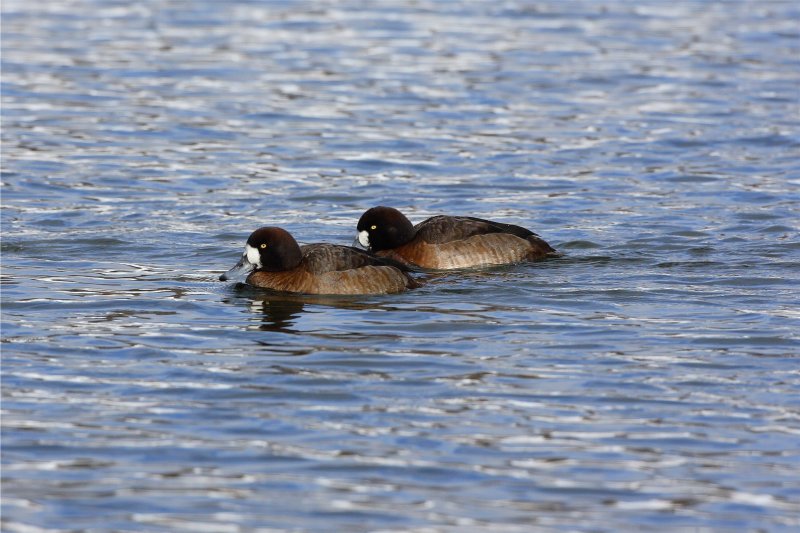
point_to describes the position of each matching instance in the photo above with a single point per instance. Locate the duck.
(272, 259)
(448, 242)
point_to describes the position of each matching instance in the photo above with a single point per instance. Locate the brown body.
(273, 260)
(331, 269)
(476, 251)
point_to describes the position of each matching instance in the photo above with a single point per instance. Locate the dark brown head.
(383, 228)
(269, 248)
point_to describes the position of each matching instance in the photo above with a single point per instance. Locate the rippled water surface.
(646, 380)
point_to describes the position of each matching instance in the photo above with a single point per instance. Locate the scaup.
(273, 260)
(448, 242)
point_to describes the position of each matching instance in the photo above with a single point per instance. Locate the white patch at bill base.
(363, 238)
(253, 255)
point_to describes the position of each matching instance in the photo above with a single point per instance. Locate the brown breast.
(294, 280)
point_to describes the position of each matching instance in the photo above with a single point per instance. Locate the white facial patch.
(363, 238)
(252, 255)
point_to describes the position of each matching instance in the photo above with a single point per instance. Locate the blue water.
(647, 380)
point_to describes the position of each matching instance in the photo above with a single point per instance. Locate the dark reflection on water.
(645, 380)
(279, 311)
(279, 315)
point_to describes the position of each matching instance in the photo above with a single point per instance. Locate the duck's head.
(269, 248)
(383, 228)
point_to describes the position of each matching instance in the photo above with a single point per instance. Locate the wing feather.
(443, 229)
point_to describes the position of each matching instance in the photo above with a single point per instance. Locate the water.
(646, 380)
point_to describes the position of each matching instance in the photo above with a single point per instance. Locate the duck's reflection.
(281, 311)
(278, 313)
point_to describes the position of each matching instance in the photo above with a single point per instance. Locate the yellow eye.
(373, 227)
(262, 246)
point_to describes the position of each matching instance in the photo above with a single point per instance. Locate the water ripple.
(644, 380)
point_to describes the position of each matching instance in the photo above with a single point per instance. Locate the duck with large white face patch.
(448, 242)
(271, 249)
(272, 259)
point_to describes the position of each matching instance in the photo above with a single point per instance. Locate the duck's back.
(324, 258)
(443, 229)
(345, 270)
